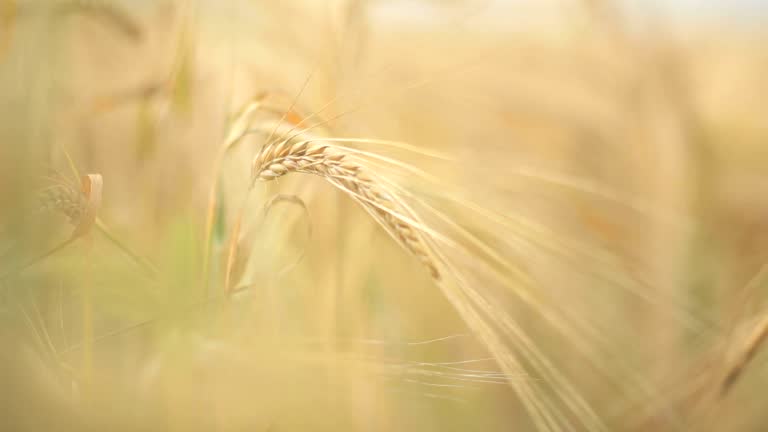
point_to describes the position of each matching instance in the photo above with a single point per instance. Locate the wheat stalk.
(348, 169)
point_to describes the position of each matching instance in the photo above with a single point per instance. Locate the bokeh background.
(625, 143)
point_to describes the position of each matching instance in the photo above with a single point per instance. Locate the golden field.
(369, 215)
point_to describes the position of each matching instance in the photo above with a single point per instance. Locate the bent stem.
(88, 332)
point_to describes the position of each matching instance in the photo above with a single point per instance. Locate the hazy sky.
(712, 9)
(740, 11)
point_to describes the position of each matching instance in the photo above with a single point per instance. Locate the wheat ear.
(747, 353)
(342, 169)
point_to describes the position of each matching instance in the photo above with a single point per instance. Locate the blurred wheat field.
(372, 215)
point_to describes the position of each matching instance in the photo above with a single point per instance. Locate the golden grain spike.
(343, 171)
